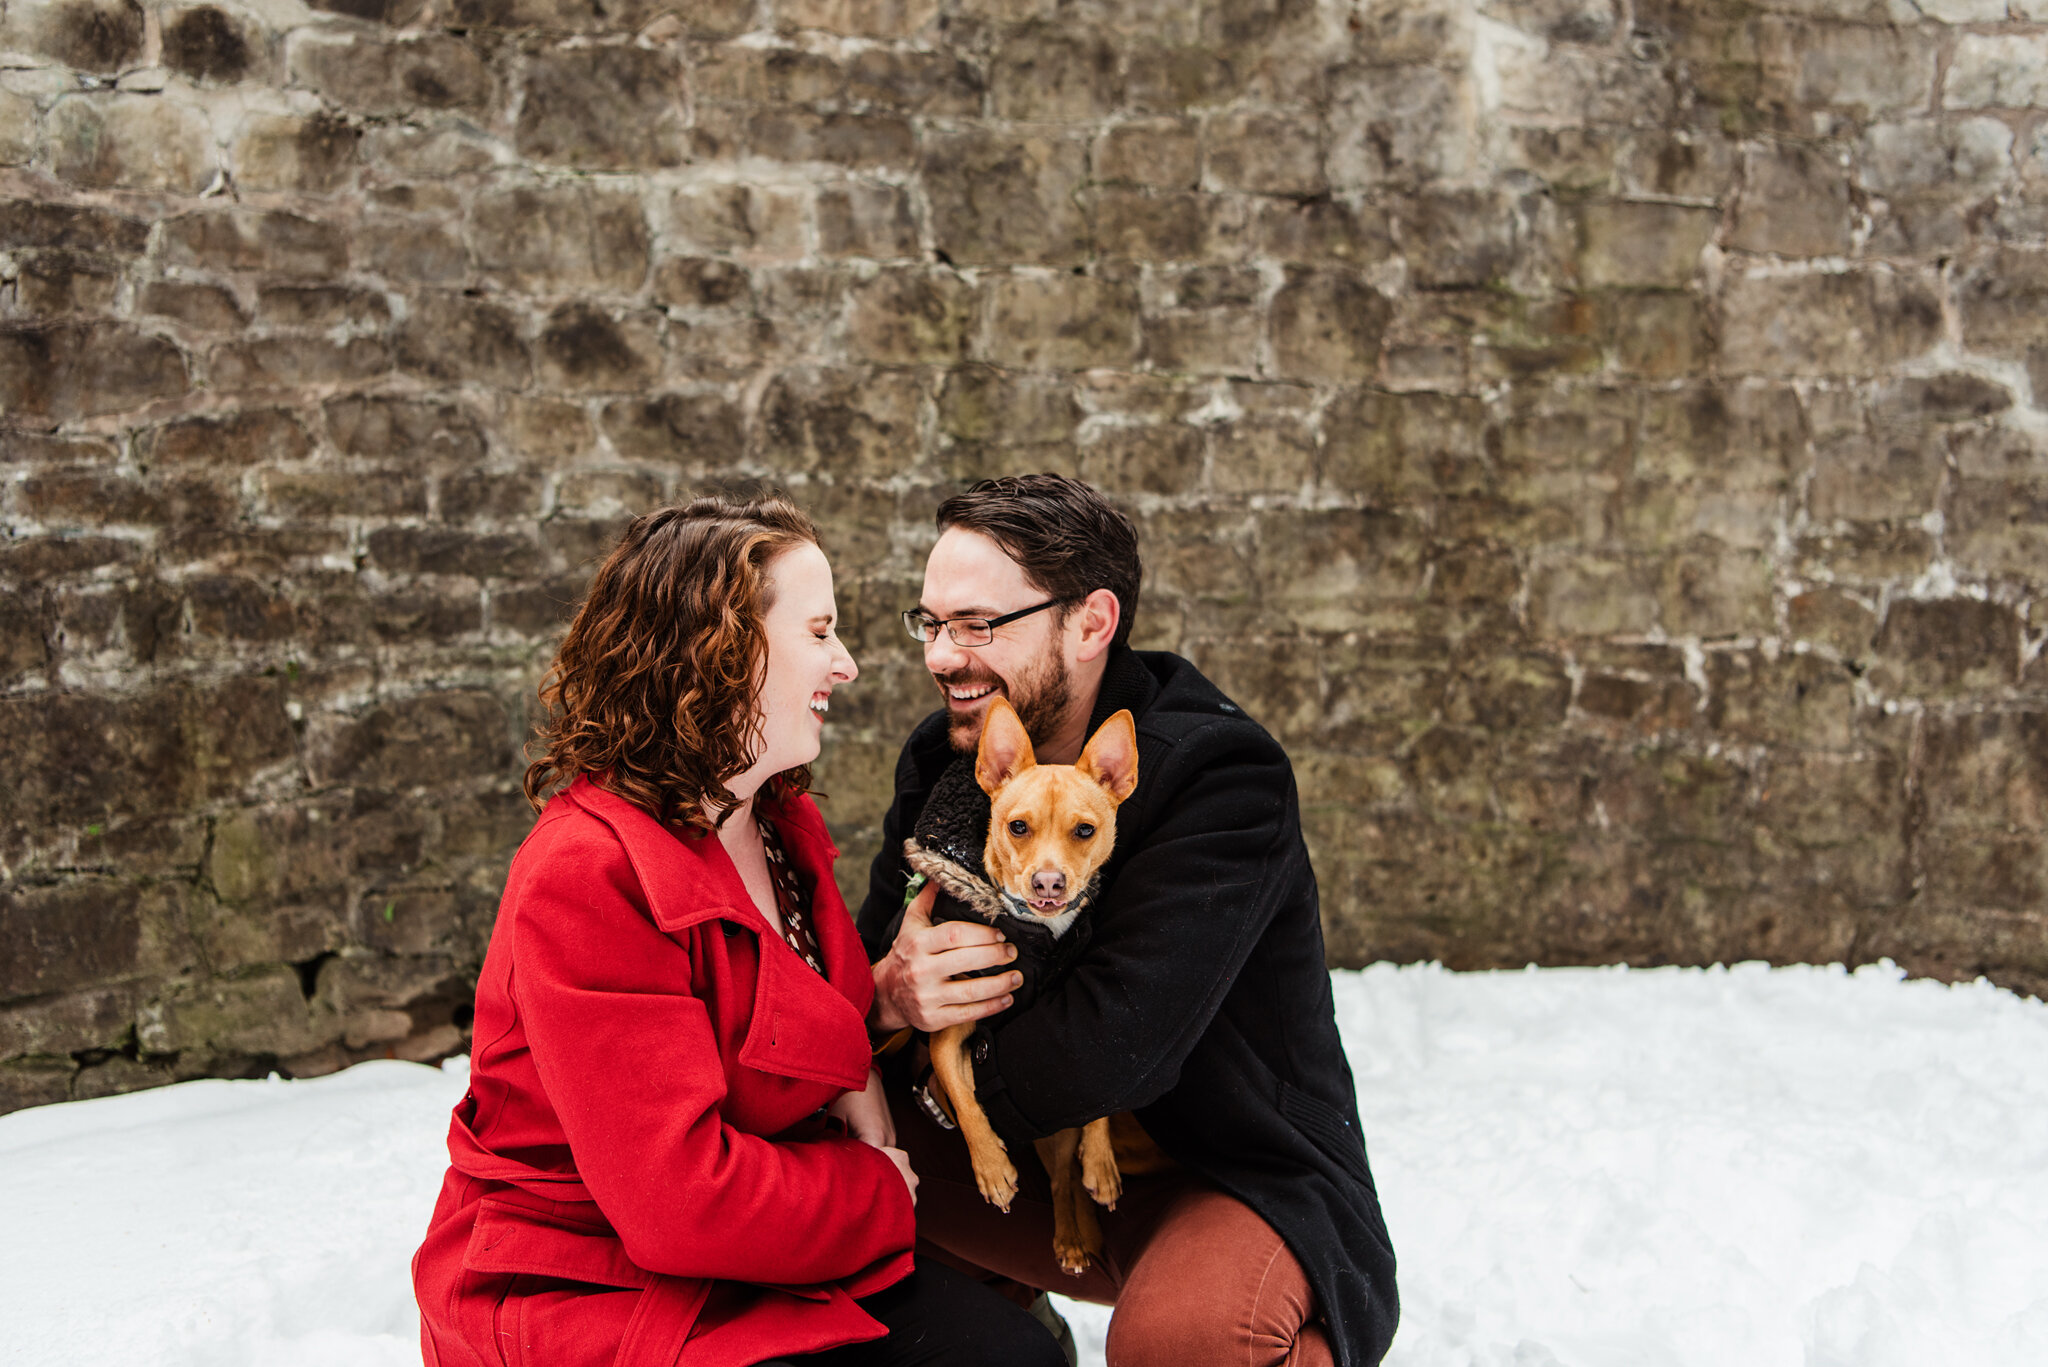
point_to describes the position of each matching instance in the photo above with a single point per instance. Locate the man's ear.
(1111, 758)
(1099, 613)
(1005, 750)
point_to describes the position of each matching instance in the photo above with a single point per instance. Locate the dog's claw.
(998, 1187)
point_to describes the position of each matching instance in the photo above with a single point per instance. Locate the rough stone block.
(981, 403)
(1795, 201)
(1055, 73)
(456, 337)
(1336, 570)
(1399, 125)
(1263, 153)
(1218, 341)
(1144, 458)
(860, 18)
(734, 217)
(1058, 321)
(1872, 71)
(1946, 646)
(433, 146)
(997, 198)
(780, 75)
(213, 46)
(392, 76)
(1327, 326)
(1827, 322)
(36, 1081)
(1174, 226)
(700, 282)
(1799, 701)
(288, 362)
(1561, 21)
(853, 424)
(81, 370)
(603, 108)
(130, 142)
(249, 437)
(840, 138)
(491, 496)
(274, 242)
(314, 154)
(91, 1018)
(1685, 163)
(2002, 295)
(1164, 153)
(263, 1012)
(1834, 620)
(411, 433)
(711, 18)
(912, 316)
(584, 348)
(431, 740)
(104, 37)
(26, 223)
(1623, 243)
(866, 218)
(1998, 71)
(562, 239)
(935, 84)
(1591, 596)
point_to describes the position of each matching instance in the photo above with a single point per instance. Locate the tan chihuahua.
(1051, 828)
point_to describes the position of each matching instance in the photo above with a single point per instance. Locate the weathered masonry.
(1604, 439)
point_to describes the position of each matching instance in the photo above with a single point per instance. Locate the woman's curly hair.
(653, 692)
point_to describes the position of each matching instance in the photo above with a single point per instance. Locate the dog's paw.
(998, 1183)
(1104, 1183)
(1073, 1258)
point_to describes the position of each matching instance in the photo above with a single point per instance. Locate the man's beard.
(1040, 696)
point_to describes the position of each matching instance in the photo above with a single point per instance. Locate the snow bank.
(1594, 1167)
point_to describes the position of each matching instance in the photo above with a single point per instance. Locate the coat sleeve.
(1172, 932)
(630, 1063)
(881, 910)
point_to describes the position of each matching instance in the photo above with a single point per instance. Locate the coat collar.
(689, 880)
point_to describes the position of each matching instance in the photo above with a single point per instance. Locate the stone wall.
(1604, 440)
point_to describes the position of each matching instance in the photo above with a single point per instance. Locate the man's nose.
(942, 655)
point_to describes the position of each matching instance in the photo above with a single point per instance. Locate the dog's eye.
(1083, 831)
(1019, 828)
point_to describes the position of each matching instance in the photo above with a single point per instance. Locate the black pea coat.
(1201, 1001)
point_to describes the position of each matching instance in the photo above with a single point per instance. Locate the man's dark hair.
(1066, 537)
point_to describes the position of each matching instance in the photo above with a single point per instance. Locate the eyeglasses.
(965, 631)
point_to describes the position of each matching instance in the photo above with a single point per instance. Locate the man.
(1201, 1002)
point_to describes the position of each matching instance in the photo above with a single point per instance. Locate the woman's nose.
(844, 670)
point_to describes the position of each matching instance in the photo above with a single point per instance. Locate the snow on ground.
(1590, 1167)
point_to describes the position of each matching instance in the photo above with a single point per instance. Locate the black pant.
(939, 1317)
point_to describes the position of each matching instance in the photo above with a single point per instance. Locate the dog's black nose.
(1047, 885)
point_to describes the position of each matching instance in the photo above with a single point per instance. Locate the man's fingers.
(918, 915)
(967, 991)
(955, 962)
(961, 935)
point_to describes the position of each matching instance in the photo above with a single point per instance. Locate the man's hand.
(914, 981)
(866, 1114)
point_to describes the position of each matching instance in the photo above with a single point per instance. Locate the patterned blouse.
(790, 898)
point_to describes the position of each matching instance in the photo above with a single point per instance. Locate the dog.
(1050, 830)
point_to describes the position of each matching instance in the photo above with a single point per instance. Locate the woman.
(674, 1147)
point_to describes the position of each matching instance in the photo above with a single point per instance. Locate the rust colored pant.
(1197, 1278)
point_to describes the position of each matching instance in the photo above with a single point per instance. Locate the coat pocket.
(1329, 1129)
(511, 1238)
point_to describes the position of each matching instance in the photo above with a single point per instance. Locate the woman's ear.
(1005, 750)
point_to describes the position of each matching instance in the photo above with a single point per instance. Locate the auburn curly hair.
(653, 691)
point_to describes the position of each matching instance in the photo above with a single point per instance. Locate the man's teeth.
(821, 706)
(970, 694)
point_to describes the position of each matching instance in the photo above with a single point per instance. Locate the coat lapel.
(797, 1030)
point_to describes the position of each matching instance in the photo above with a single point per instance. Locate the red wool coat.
(641, 1172)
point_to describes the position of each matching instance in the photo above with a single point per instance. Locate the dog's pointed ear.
(1005, 749)
(1111, 758)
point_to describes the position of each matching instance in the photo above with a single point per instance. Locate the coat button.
(981, 1049)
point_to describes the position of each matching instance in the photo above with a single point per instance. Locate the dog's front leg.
(1099, 1172)
(1076, 1233)
(993, 1172)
